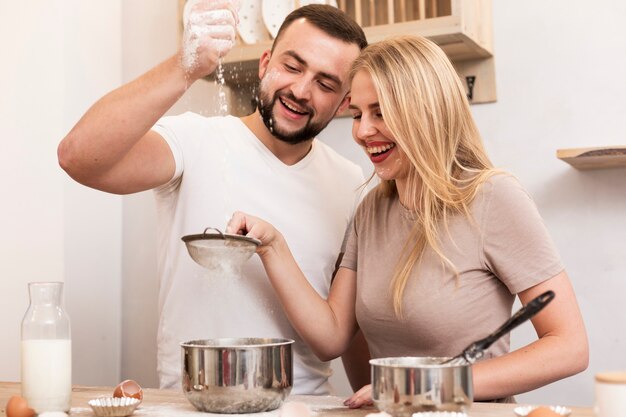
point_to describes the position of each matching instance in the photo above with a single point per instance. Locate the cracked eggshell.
(128, 388)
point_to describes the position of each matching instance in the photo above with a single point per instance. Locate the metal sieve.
(220, 250)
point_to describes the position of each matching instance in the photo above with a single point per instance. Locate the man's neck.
(287, 153)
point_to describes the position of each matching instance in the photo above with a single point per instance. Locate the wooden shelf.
(446, 31)
(462, 28)
(594, 158)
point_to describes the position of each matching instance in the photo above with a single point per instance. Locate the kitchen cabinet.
(462, 28)
(594, 158)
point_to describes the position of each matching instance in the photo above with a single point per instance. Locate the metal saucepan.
(406, 385)
(220, 250)
(237, 375)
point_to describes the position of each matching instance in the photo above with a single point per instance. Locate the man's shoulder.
(195, 119)
(193, 129)
(338, 161)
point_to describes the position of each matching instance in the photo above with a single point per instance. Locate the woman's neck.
(405, 194)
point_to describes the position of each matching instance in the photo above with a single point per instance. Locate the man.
(203, 169)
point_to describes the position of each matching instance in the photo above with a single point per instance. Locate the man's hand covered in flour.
(210, 31)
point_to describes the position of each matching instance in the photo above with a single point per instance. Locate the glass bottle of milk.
(46, 350)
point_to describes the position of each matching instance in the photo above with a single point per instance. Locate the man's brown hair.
(328, 19)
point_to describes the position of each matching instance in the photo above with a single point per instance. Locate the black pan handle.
(475, 350)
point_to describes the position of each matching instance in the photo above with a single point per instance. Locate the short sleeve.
(350, 258)
(166, 127)
(517, 247)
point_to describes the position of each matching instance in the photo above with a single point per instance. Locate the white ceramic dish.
(251, 26)
(274, 12)
(113, 407)
(522, 411)
(439, 414)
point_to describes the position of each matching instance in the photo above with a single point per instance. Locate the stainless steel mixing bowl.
(240, 375)
(406, 385)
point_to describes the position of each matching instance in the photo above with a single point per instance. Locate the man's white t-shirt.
(222, 167)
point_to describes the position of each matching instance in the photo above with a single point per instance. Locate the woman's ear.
(264, 62)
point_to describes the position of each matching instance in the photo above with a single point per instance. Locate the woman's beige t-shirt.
(505, 250)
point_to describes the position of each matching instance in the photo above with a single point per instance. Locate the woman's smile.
(379, 151)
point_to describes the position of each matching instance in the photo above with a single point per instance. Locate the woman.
(439, 250)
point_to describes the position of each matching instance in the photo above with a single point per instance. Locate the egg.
(128, 388)
(18, 407)
(543, 412)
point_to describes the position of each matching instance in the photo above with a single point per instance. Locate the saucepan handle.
(476, 349)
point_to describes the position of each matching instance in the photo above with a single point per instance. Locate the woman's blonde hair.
(425, 107)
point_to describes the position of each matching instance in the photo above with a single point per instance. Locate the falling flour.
(222, 104)
(315, 404)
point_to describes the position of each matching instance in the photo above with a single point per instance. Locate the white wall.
(58, 57)
(31, 247)
(560, 71)
(560, 79)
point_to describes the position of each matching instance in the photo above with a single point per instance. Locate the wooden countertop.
(172, 403)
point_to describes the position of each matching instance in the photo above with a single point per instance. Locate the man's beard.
(266, 109)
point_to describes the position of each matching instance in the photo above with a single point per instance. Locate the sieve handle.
(213, 228)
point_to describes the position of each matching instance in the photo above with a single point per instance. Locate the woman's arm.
(327, 326)
(356, 362)
(561, 350)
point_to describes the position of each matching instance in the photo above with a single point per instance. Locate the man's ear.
(264, 62)
(344, 105)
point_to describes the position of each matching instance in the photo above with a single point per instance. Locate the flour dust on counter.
(171, 410)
